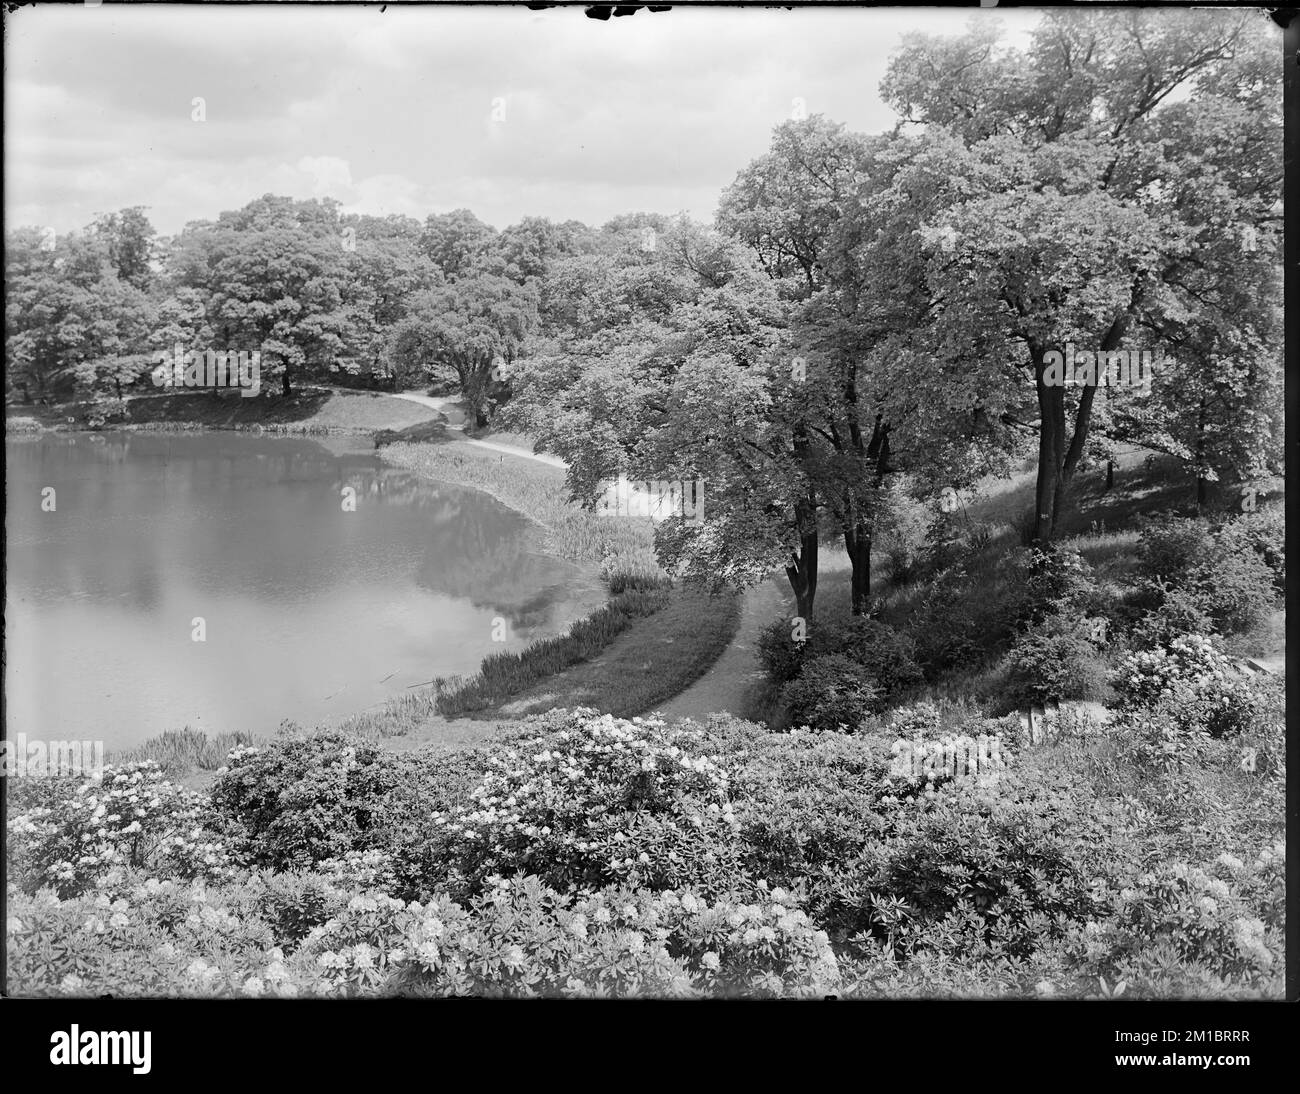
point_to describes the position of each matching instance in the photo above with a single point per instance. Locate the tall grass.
(181, 752)
(396, 717)
(505, 674)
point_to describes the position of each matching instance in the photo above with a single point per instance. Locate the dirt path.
(730, 684)
(446, 405)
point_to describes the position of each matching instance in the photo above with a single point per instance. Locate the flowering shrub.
(149, 938)
(1170, 547)
(302, 800)
(1143, 677)
(1198, 915)
(588, 856)
(291, 904)
(921, 761)
(1193, 682)
(914, 720)
(591, 801)
(518, 938)
(781, 655)
(1263, 743)
(888, 656)
(1236, 589)
(68, 833)
(1179, 615)
(930, 720)
(1005, 864)
(951, 627)
(521, 939)
(808, 803)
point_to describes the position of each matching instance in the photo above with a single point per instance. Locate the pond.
(309, 607)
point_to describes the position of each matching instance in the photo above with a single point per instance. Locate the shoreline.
(585, 591)
(531, 488)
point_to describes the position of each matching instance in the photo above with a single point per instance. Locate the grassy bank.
(312, 410)
(537, 491)
(657, 659)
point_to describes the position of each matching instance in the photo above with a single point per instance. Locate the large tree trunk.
(1202, 485)
(1051, 452)
(1082, 424)
(857, 525)
(857, 542)
(1058, 459)
(285, 386)
(802, 568)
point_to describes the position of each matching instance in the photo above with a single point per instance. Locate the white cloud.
(330, 175)
(392, 112)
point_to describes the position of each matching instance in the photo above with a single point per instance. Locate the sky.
(502, 110)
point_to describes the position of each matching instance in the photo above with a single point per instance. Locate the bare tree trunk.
(1057, 460)
(857, 541)
(1051, 452)
(1202, 485)
(802, 568)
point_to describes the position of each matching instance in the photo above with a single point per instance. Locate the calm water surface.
(311, 612)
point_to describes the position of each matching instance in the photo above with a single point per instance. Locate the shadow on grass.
(228, 409)
(433, 432)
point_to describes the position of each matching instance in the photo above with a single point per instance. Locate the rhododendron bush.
(585, 855)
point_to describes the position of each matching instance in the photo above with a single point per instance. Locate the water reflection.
(307, 606)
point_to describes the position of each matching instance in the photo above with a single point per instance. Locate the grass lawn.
(657, 658)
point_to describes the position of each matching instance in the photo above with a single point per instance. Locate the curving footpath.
(441, 405)
(731, 684)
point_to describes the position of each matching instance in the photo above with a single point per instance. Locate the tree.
(182, 320)
(67, 308)
(472, 327)
(274, 278)
(387, 267)
(663, 366)
(454, 241)
(1075, 149)
(523, 251)
(130, 238)
(785, 204)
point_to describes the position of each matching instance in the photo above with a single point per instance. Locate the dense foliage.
(587, 855)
